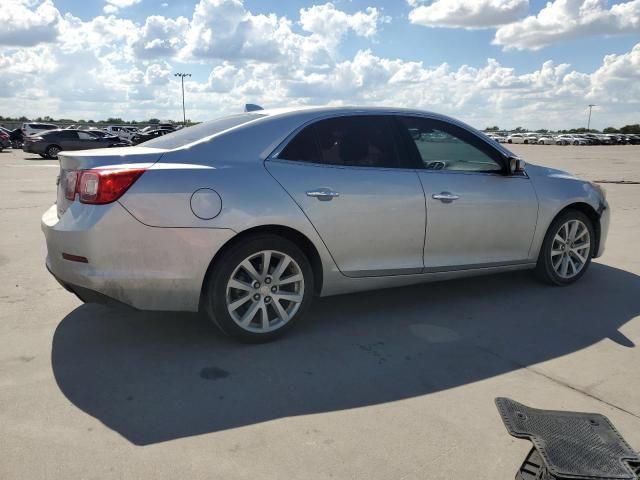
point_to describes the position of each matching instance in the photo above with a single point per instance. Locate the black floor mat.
(573, 445)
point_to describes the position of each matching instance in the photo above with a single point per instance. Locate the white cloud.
(27, 23)
(112, 6)
(470, 14)
(160, 37)
(225, 29)
(111, 66)
(567, 19)
(327, 21)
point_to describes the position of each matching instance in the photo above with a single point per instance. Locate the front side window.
(85, 136)
(359, 141)
(444, 146)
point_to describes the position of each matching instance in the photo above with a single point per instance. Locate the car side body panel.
(150, 250)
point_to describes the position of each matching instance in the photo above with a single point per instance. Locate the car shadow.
(154, 377)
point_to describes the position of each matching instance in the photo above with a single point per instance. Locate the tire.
(509, 141)
(549, 269)
(221, 296)
(526, 142)
(52, 152)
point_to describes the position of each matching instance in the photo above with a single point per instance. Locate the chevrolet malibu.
(248, 217)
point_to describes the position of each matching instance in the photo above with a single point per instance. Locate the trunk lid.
(122, 157)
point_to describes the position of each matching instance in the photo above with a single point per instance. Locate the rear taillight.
(100, 186)
(70, 182)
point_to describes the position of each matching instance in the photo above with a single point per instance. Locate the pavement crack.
(555, 380)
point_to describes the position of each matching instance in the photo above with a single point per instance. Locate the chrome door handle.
(323, 194)
(445, 197)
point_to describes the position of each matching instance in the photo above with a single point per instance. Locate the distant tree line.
(110, 120)
(627, 129)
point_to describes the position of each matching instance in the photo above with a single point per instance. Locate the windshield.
(184, 136)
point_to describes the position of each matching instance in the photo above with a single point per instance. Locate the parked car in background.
(30, 128)
(48, 144)
(634, 139)
(5, 137)
(515, 138)
(546, 140)
(124, 132)
(141, 136)
(570, 140)
(531, 138)
(265, 210)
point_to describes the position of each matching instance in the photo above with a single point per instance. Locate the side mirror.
(516, 165)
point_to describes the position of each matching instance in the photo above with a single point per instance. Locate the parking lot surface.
(396, 383)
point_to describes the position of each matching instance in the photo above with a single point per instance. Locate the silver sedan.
(248, 217)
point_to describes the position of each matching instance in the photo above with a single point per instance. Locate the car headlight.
(600, 189)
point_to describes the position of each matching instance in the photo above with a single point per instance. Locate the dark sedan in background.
(49, 144)
(143, 136)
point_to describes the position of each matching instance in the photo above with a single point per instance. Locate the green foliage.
(629, 129)
(488, 129)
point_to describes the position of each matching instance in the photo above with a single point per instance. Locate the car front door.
(68, 140)
(477, 216)
(347, 176)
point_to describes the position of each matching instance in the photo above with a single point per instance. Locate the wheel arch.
(291, 234)
(590, 212)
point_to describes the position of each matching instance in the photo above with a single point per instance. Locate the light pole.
(591, 105)
(184, 114)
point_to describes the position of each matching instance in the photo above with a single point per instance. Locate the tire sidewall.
(224, 268)
(544, 267)
(49, 154)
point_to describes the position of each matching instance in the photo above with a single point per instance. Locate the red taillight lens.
(101, 186)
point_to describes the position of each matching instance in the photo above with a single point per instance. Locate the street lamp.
(182, 75)
(591, 105)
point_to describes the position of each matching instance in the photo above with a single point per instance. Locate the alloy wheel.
(265, 291)
(570, 248)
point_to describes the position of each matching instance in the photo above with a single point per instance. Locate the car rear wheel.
(259, 288)
(567, 249)
(52, 151)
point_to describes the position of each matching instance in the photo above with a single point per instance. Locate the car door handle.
(323, 194)
(445, 197)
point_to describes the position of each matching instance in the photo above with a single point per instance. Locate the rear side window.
(303, 148)
(358, 141)
(42, 126)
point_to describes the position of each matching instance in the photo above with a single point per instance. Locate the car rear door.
(349, 178)
(477, 216)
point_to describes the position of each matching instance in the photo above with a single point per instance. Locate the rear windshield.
(188, 135)
(42, 126)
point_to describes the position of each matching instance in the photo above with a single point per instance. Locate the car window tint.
(303, 147)
(444, 146)
(65, 135)
(361, 141)
(85, 136)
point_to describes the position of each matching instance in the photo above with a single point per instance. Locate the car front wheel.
(567, 249)
(259, 288)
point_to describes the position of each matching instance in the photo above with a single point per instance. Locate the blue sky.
(428, 53)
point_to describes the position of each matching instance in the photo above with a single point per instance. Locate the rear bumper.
(144, 267)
